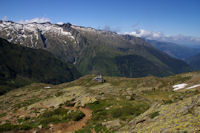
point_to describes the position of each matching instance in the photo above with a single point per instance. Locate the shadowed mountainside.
(175, 50)
(21, 65)
(194, 61)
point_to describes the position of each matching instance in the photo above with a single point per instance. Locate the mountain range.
(194, 61)
(175, 50)
(94, 51)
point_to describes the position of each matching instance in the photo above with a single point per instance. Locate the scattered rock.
(140, 121)
(77, 104)
(101, 93)
(21, 116)
(40, 126)
(164, 130)
(107, 108)
(42, 110)
(111, 124)
(51, 125)
(131, 97)
(190, 108)
(34, 131)
(128, 97)
(130, 92)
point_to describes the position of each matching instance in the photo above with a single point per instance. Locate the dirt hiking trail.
(71, 126)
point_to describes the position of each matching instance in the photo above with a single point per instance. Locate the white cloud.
(4, 18)
(60, 23)
(146, 34)
(37, 20)
(162, 37)
(109, 28)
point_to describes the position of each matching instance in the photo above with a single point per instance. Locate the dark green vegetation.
(194, 61)
(20, 66)
(121, 108)
(137, 66)
(58, 115)
(175, 50)
(154, 114)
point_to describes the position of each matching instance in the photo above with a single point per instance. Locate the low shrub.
(78, 116)
(154, 114)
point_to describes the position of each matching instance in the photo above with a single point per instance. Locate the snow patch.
(47, 87)
(24, 36)
(194, 86)
(179, 86)
(24, 30)
(60, 23)
(10, 40)
(183, 85)
(31, 39)
(8, 34)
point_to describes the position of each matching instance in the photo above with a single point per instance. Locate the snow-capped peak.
(34, 27)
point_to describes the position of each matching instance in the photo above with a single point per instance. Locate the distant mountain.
(21, 65)
(194, 61)
(175, 50)
(94, 51)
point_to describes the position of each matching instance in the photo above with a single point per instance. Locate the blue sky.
(169, 17)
